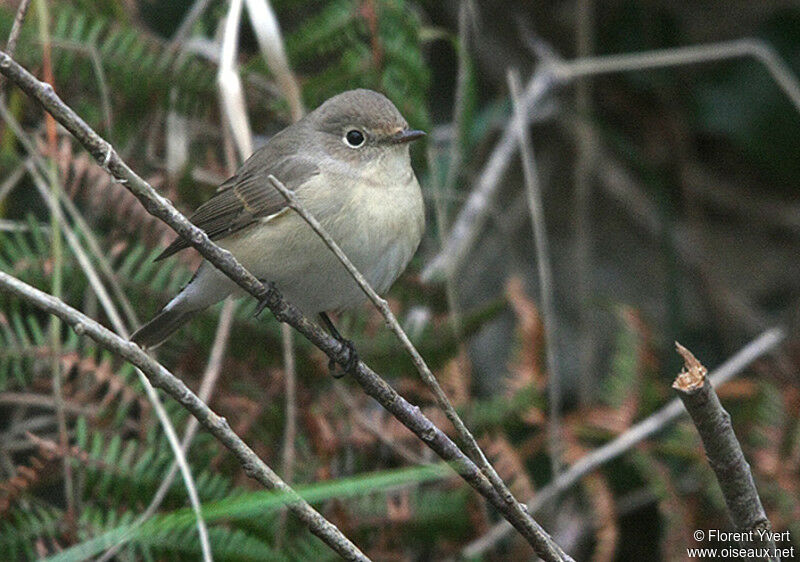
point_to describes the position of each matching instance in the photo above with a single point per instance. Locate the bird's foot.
(264, 302)
(349, 364)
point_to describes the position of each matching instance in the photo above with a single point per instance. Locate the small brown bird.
(348, 164)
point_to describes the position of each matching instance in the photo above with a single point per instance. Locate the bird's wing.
(248, 196)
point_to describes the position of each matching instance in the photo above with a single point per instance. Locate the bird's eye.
(354, 138)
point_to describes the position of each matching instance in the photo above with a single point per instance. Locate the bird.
(349, 165)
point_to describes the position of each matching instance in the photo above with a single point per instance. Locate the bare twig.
(681, 56)
(372, 384)
(723, 451)
(218, 426)
(16, 27)
(472, 447)
(554, 70)
(474, 212)
(534, 196)
(762, 345)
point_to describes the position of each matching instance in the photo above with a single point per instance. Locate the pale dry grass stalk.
(270, 40)
(229, 83)
(533, 192)
(585, 143)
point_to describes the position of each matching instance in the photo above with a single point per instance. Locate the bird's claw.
(349, 364)
(264, 302)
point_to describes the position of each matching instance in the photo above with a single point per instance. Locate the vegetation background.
(671, 202)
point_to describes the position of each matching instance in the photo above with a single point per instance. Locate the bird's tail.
(155, 332)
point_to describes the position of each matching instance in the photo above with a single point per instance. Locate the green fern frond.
(22, 527)
(121, 471)
(624, 367)
(138, 66)
(334, 50)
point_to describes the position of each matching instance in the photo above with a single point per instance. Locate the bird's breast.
(389, 221)
(377, 225)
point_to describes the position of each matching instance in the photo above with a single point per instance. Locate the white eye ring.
(354, 138)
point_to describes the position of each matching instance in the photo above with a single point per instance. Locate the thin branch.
(474, 212)
(554, 71)
(13, 36)
(760, 50)
(374, 385)
(216, 425)
(424, 371)
(723, 451)
(16, 27)
(534, 195)
(766, 343)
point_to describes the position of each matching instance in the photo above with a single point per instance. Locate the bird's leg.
(352, 356)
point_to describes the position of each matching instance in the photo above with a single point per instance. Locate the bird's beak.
(406, 136)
